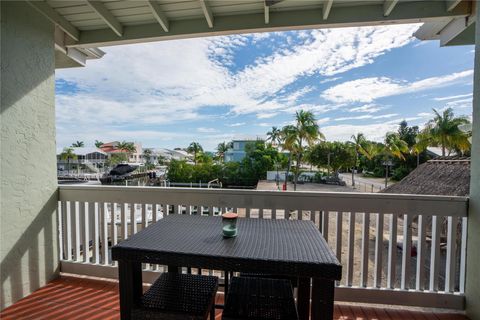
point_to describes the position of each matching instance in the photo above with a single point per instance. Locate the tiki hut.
(449, 176)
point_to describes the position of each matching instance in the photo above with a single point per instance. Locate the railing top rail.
(306, 200)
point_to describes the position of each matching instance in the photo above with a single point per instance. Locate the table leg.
(322, 299)
(303, 298)
(130, 285)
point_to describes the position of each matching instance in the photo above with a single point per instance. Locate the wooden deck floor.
(82, 298)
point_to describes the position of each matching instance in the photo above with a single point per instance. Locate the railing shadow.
(36, 250)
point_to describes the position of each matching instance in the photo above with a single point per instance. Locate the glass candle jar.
(229, 221)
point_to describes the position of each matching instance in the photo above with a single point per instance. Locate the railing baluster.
(86, 233)
(144, 216)
(325, 220)
(68, 222)
(77, 231)
(133, 219)
(338, 244)
(406, 252)
(351, 248)
(463, 255)
(155, 209)
(392, 252)
(96, 245)
(421, 252)
(451, 254)
(435, 254)
(104, 232)
(124, 222)
(61, 229)
(365, 242)
(377, 280)
(189, 209)
(113, 223)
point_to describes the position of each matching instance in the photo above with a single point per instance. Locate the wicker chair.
(293, 280)
(260, 299)
(179, 296)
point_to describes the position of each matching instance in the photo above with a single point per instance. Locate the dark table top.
(289, 247)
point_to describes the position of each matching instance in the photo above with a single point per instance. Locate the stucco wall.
(28, 243)
(473, 241)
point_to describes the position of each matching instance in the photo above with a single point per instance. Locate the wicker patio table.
(282, 247)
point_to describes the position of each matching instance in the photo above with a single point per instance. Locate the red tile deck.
(83, 298)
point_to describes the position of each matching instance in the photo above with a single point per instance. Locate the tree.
(98, 143)
(394, 147)
(68, 155)
(222, 148)
(305, 131)
(333, 155)
(275, 136)
(358, 143)
(443, 131)
(78, 144)
(196, 149)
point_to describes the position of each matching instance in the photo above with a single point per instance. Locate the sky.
(167, 94)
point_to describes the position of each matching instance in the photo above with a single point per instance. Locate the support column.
(473, 241)
(28, 190)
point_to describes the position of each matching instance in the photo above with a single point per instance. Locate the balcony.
(395, 249)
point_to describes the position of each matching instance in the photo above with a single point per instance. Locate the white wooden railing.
(395, 249)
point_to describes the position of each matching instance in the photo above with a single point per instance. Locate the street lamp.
(387, 163)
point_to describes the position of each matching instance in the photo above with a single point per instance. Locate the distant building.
(112, 148)
(92, 158)
(167, 155)
(237, 153)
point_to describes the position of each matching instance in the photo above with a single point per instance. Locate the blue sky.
(170, 93)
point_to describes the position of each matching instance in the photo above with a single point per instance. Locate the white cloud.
(367, 108)
(461, 103)
(237, 124)
(368, 116)
(323, 120)
(206, 130)
(370, 89)
(344, 132)
(453, 97)
(262, 115)
(264, 124)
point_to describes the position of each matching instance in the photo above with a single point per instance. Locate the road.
(376, 182)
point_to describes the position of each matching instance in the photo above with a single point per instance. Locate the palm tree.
(78, 144)
(393, 147)
(147, 154)
(98, 143)
(222, 148)
(443, 131)
(196, 149)
(68, 154)
(275, 136)
(128, 147)
(305, 130)
(421, 143)
(358, 141)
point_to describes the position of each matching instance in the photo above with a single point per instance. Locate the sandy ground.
(271, 185)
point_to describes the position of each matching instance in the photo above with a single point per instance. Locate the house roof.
(82, 151)
(449, 176)
(87, 24)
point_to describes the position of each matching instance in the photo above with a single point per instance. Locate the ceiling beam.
(455, 28)
(327, 6)
(388, 7)
(451, 4)
(106, 16)
(158, 14)
(345, 16)
(207, 12)
(57, 19)
(267, 13)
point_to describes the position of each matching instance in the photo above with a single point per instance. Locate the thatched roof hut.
(448, 176)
